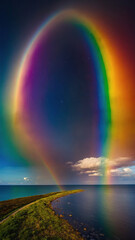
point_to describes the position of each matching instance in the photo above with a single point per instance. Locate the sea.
(100, 212)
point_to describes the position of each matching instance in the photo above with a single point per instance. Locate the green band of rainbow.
(94, 39)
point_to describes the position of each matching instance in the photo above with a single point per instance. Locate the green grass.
(38, 221)
(9, 206)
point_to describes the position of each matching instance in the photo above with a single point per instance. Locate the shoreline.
(38, 220)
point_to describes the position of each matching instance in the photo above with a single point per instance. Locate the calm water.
(11, 192)
(99, 213)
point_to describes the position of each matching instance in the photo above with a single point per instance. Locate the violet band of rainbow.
(93, 37)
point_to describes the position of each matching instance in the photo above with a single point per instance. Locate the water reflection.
(101, 212)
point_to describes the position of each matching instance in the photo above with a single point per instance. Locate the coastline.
(37, 220)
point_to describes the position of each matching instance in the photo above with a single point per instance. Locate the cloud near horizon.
(26, 179)
(116, 167)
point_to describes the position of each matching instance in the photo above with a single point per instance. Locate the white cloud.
(26, 179)
(89, 163)
(123, 172)
(95, 166)
(94, 173)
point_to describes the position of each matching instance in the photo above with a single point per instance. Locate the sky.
(67, 92)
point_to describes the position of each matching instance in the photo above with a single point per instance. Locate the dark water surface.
(99, 213)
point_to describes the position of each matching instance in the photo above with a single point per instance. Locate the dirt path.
(14, 213)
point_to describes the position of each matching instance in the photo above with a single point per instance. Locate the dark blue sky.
(69, 107)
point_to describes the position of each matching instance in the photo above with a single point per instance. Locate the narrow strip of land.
(37, 220)
(9, 206)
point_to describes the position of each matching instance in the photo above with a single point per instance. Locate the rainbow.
(98, 48)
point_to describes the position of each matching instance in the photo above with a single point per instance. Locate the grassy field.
(9, 206)
(38, 221)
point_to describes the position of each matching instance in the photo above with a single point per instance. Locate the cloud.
(123, 172)
(95, 166)
(89, 163)
(26, 179)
